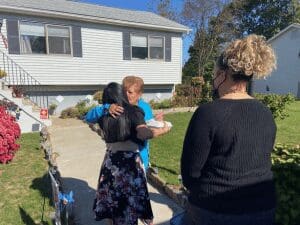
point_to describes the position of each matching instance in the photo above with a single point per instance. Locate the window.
(38, 38)
(59, 40)
(147, 47)
(32, 38)
(139, 47)
(156, 46)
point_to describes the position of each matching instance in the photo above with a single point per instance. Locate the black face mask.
(215, 92)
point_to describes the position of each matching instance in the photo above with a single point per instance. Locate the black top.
(134, 116)
(226, 162)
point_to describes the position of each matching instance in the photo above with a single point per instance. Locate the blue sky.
(141, 5)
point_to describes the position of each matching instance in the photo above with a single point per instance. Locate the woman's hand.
(159, 116)
(160, 131)
(115, 110)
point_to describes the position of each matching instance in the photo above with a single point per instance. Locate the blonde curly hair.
(251, 55)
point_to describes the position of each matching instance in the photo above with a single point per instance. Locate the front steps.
(29, 119)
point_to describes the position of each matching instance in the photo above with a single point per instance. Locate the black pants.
(197, 216)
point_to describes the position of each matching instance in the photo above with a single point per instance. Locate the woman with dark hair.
(122, 193)
(226, 158)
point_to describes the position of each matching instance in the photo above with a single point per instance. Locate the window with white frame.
(156, 47)
(38, 38)
(58, 40)
(32, 38)
(147, 47)
(139, 47)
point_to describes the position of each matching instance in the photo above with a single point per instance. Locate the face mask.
(215, 92)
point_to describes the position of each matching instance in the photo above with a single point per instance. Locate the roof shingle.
(98, 11)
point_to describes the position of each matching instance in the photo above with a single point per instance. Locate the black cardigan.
(226, 163)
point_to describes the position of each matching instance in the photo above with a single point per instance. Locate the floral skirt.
(122, 193)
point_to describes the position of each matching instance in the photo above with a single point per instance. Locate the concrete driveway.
(81, 152)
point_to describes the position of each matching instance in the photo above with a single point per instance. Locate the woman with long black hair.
(122, 193)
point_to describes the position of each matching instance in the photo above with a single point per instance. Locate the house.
(72, 49)
(286, 78)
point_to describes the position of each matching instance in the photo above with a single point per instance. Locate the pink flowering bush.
(9, 133)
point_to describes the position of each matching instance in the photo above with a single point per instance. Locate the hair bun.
(251, 55)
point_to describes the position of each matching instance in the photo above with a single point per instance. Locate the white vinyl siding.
(286, 78)
(102, 62)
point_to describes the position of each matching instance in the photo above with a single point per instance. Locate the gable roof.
(91, 13)
(294, 25)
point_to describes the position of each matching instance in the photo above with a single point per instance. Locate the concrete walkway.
(81, 152)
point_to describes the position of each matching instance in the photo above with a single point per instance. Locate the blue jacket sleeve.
(96, 113)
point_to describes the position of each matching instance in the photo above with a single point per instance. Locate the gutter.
(293, 25)
(85, 18)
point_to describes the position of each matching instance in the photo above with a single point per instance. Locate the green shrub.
(180, 101)
(81, 106)
(189, 95)
(98, 96)
(164, 104)
(76, 112)
(70, 112)
(206, 93)
(276, 103)
(286, 168)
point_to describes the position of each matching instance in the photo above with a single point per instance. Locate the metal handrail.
(22, 83)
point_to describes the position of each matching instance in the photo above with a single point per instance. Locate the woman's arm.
(145, 133)
(160, 131)
(96, 113)
(196, 147)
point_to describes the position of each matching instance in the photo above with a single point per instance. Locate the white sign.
(59, 98)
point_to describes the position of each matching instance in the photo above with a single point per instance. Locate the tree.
(198, 15)
(296, 10)
(190, 68)
(262, 17)
(165, 9)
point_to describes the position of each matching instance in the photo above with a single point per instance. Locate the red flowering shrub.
(9, 133)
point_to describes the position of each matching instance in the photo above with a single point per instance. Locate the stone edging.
(51, 156)
(179, 195)
(47, 147)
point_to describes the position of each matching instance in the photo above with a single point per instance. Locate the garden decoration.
(65, 199)
(66, 207)
(2, 74)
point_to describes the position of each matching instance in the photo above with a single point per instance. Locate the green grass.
(165, 151)
(24, 184)
(288, 130)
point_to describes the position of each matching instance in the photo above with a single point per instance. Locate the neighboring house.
(73, 49)
(286, 78)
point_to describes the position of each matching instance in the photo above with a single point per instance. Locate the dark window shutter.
(126, 45)
(76, 41)
(13, 36)
(168, 48)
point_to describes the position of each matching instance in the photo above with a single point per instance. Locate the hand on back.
(115, 110)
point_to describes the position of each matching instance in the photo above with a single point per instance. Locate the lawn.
(165, 151)
(24, 184)
(288, 130)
